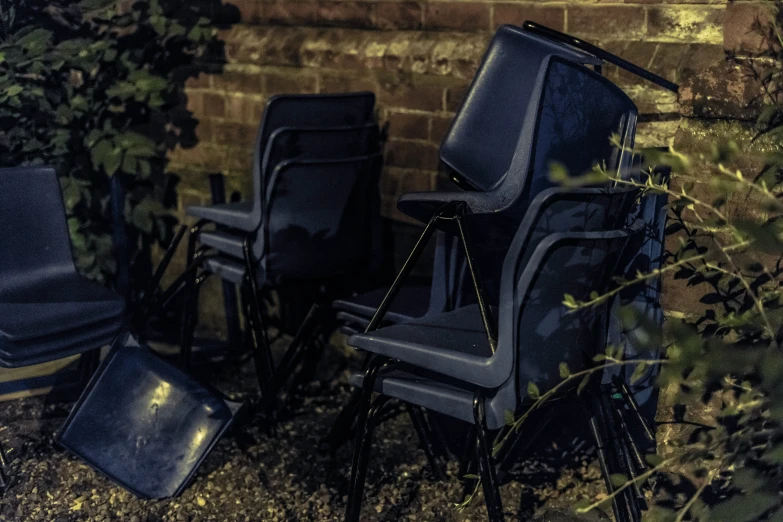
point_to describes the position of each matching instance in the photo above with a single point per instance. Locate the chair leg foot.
(489, 479)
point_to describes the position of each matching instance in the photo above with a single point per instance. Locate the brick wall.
(419, 57)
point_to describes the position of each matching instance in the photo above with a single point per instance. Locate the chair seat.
(16, 355)
(144, 423)
(410, 303)
(452, 343)
(433, 392)
(231, 270)
(224, 242)
(238, 215)
(19, 351)
(56, 305)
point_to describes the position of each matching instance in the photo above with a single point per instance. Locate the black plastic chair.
(319, 224)
(536, 334)
(289, 110)
(47, 310)
(483, 136)
(296, 143)
(144, 423)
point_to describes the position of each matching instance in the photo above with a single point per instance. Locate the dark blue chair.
(47, 310)
(289, 110)
(145, 424)
(475, 381)
(483, 136)
(320, 223)
(296, 143)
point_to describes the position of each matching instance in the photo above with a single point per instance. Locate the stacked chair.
(314, 217)
(466, 364)
(47, 310)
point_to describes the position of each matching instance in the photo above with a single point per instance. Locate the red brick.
(455, 96)
(195, 102)
(411, 126)
(398, 15)
(418, 97)
(204, 130)
(331, 83)
(202, 81)
(456, 16)
(230, 133)
(601, 21)
(699, 58)
(440, 126)
(214, 105)
(515, 14)
(638, 53)
(697, 23)
(345, 14)
(286, 12)
(411, 154)
(242, 109)
(739, 32)
(249, 10)
(294, 82)
(237, 81)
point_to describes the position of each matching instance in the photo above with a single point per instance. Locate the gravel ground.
(254, 475)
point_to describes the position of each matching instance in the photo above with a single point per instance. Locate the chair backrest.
(35, 243)
(450, 281)
(573, 210)
(320, 218)
(483, 136)
(576, 114)
(288, 142)
(537, 327)
(307, 110)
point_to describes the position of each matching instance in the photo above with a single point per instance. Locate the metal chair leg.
(188, 313)
(619, 460)
(364, 428)
(293, 354)
(4, 481)
(489, 480)
(601, 443)
(261, 356)
(422, 430)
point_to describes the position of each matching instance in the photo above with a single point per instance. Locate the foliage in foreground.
(95, 89)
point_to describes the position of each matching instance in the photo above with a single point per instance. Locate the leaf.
(100, 152)
(112, 161)
(743, 508)
(564, 371)
(532, 390)
(618, 479)
(638, 373)
(508, 417)
(585, 381)
(14, 90)
(470, 476)
(653, 460)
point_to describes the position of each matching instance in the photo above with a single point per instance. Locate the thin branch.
(693, 499)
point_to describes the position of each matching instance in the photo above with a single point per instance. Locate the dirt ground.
(254, 474)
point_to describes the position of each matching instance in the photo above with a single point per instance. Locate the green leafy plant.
(95, 89)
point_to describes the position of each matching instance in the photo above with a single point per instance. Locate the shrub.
(95, 88)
